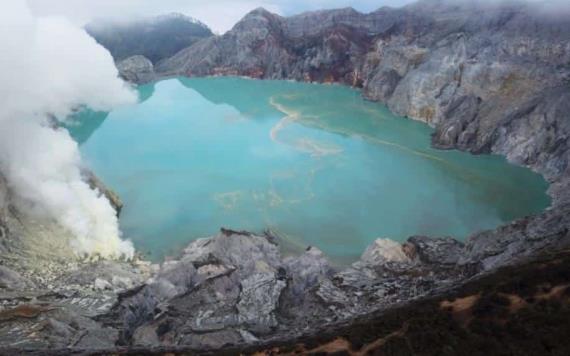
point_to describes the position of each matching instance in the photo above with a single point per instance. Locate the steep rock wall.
(489, 78)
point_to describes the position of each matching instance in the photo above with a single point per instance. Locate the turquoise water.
(315, 163)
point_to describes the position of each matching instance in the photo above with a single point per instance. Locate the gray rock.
(136, 69)
(383, 251)
(331, 294)
(95, 183)
(258, 301)
(517, 241)
(10, 279)
(444, 251)
(305, 272)
(233, 280)
(114, 274)
(213, 340)
(101, 284)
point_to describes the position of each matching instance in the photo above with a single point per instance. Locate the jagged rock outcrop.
(136, 69)
(235, 288)
(61, 309)
(519, 310)
(48, 297)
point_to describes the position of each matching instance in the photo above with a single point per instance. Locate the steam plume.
(48, 68)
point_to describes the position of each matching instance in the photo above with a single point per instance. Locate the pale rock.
(384, 250)
(101, 284)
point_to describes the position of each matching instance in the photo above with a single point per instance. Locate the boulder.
(136, 69)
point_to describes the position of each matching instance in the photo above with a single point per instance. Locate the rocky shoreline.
(488, 84)
(521, 309)
(236, 289)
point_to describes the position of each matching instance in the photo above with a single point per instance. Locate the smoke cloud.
(48, 68)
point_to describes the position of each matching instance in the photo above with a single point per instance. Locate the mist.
(538, 7)
(219, 15)
(49, 68)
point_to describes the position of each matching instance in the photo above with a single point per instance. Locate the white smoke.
(48, 68)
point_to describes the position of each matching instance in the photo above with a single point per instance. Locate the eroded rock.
(136, 69)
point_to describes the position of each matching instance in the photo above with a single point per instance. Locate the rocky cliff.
(488, 78)
(236, 291)
(136, 69)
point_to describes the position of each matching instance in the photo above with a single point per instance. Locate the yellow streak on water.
(292, 116)
(278, 199)
(228, 200)
(467, 175)
(272, 198)
(404, 148)
(314, 148)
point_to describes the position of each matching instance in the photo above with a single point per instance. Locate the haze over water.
(316, 164)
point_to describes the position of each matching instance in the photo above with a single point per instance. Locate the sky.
(220, 15)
